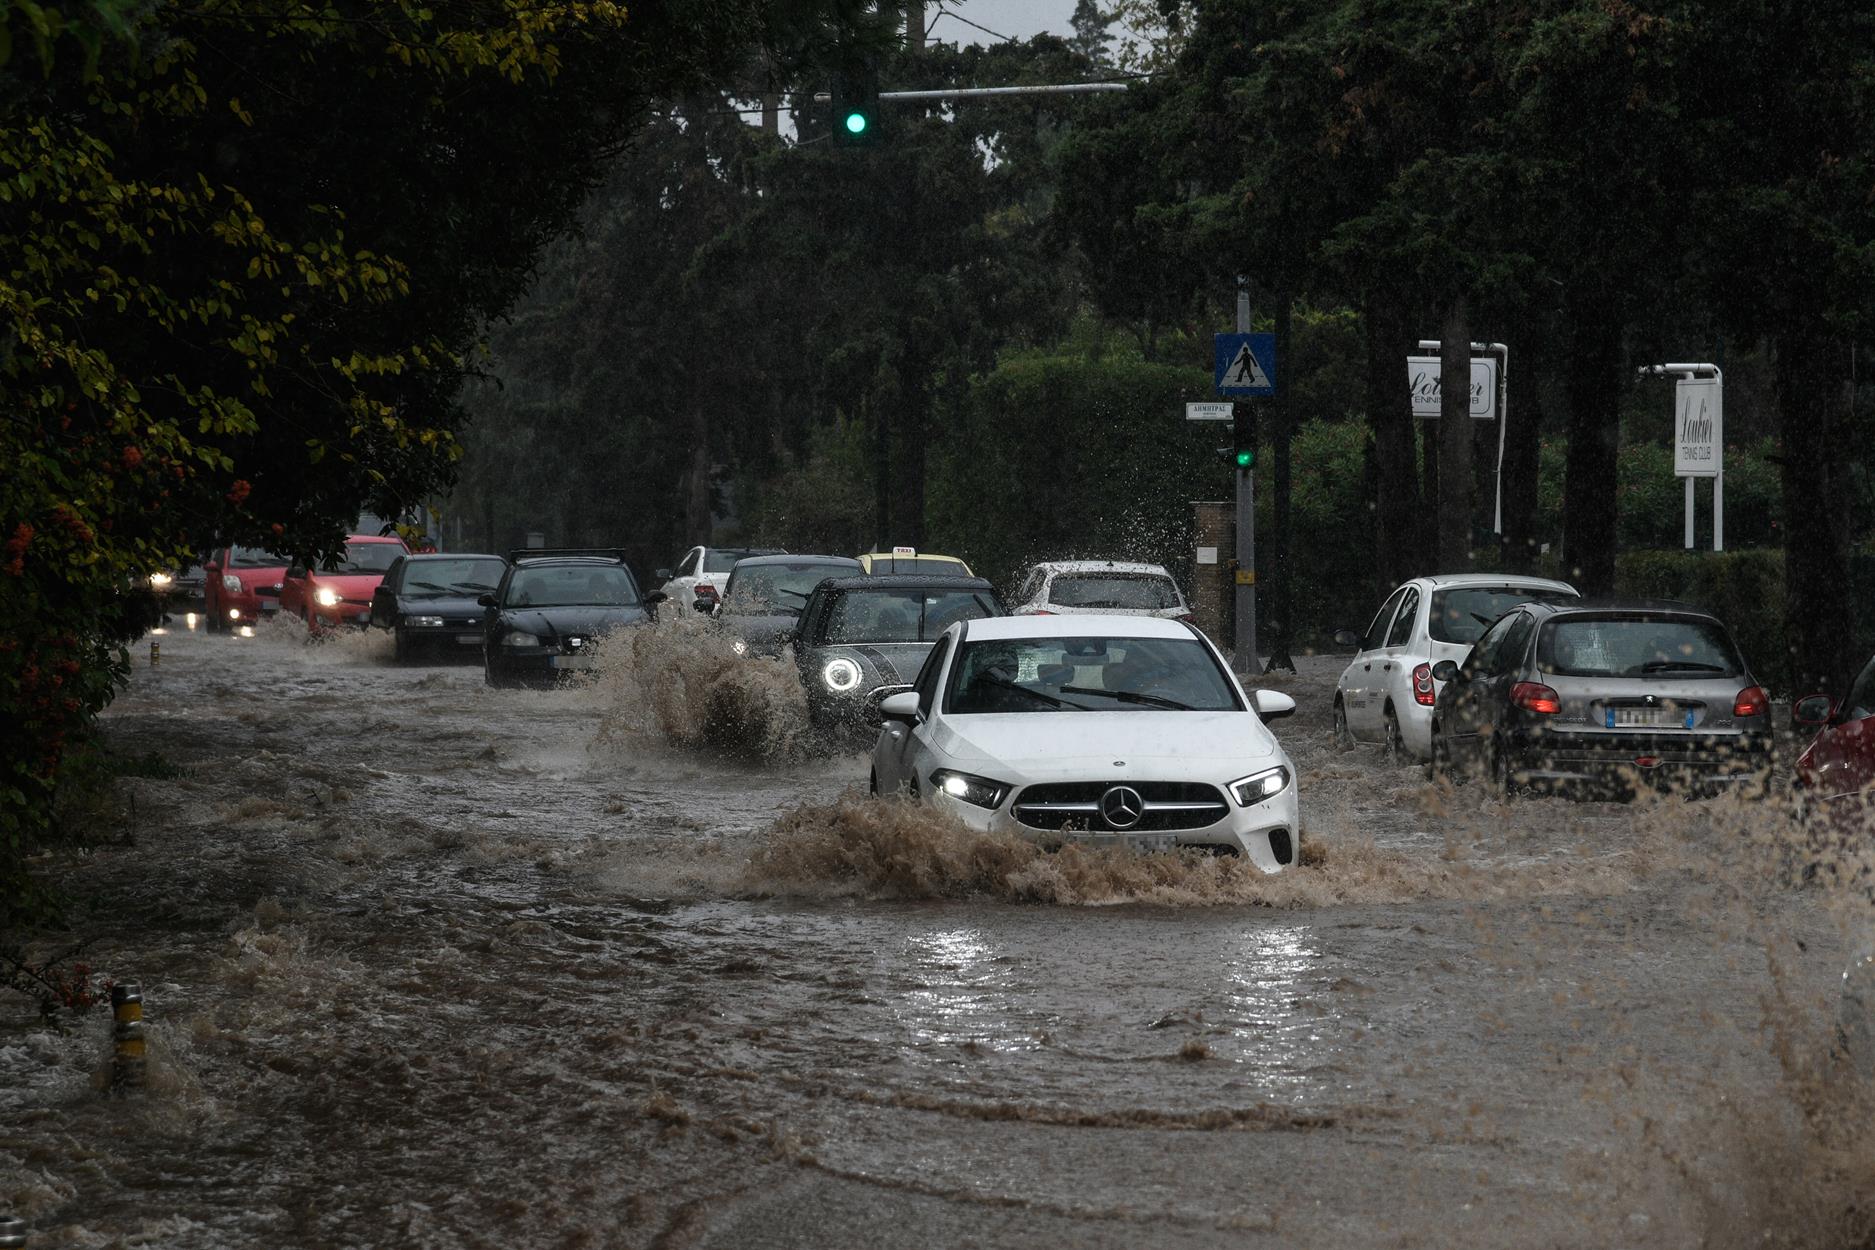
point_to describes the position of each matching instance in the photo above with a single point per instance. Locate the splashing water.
(680, 683)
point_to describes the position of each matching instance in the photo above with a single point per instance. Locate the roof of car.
(1620, 603)
(1446, 581)
(746, 551)
(536, 561)
(374, 538)
(1083, 625)
(909, 581)
(848, 561)
(453, 555)
(1100, 566)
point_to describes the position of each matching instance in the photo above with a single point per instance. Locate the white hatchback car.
(702, 572)
(1387, 692)
(1105, 586)
(1093, 729)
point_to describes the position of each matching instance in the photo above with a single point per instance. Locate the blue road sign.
(1246, 364)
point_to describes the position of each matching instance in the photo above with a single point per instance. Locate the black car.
(860, 634)
(540, 623)
(1604, 697)
(432, 603)
(762, 602)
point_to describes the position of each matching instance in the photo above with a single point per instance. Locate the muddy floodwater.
(429, 965)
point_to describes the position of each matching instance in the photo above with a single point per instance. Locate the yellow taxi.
(912, 560)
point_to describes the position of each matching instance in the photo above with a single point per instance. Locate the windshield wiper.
(1131, 696)
(1688, 666)
(1005, 684)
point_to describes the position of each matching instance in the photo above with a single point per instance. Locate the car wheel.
(1344, 738)
(1395, 746)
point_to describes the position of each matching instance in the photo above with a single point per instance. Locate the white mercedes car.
(1093, 729)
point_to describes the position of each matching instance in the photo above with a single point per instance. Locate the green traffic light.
(1246, 459)
(856, 123)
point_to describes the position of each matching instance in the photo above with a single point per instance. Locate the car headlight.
(740, 646)
(516, 638)
(327, 597)
(424, 622)
(1258, 787)
(231, 583)
(160, 580)
(841, 675)
(979, 791)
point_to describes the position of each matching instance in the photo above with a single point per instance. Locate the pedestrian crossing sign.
(1246, 364)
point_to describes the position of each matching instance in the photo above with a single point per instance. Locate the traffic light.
(1244, 458)
(855, 107)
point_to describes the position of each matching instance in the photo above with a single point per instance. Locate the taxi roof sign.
(904, 551)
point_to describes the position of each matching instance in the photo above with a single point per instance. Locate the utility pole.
(1244, 636)
(1282, 595)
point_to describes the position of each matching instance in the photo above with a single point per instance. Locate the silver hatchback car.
(1608, 696)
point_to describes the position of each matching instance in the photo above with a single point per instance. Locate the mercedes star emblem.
(1122, 807)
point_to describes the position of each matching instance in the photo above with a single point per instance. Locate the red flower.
(132, 457)
(237, 494)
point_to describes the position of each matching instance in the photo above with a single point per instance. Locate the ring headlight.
(841, 675)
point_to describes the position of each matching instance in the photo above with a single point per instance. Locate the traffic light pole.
(1244, 572)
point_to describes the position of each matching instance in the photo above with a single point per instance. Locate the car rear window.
(768, 589)
(1463, 613)
(918, 614)
(1114, 590)
(723, 559)
(1636, 646)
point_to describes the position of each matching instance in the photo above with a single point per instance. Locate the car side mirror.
(1812, 711)
(1272, 704)
(487, 601)
(902, 706)
(664, 575)
(1445, 670)
(1347, 638)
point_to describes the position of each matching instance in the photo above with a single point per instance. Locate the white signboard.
(1214, 411)
(1422, 373)
(1698, 427)
(1207, 555)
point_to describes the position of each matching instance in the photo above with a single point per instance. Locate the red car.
(1836, 772)
(242, 585)
(341, 593)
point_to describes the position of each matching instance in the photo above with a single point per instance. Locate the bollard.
(12, 1232)
(156, 653)
(127, 1061)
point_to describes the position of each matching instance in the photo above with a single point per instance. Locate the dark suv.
(541, 620)
(1604, 696)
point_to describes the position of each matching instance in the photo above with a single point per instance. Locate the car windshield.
(1088, 675)
(1463, 613)
(776, 589)
(1636, 646)
(367, 557)
(253, 558)
(883, 565)
(918, 614)
(1113, 590)
(572, 585)
(432, 579)
(723, 559)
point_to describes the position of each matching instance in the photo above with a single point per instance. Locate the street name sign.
(1422, 374)
(1246, 364)
(1214, 410)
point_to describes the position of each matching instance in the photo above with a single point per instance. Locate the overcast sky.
(1018, 19)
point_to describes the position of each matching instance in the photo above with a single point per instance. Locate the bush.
(1745, 589)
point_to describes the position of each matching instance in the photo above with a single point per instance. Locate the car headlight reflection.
(327, 597)
(841, 675)
(1258, 787)
(516, 638)
(424, 622)
(978, 791)
(160, 580)
(231, 583)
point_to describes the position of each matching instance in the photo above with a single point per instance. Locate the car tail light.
(1187, 618)
(1647, 761)
(1422, 685)
(1751, 701)
(1041, 612)
(1534, 696)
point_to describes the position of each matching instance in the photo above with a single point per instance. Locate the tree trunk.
(1455, 435)
(697, 479)
(1390, 416)
(1426, 524)
(908, 457)
(1282, 593)
(1523, 429)
(1810, 378)
(1589, 496)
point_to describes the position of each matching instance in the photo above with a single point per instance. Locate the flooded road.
(428, 965)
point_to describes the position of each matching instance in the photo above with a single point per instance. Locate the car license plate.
(469, 640)
(1644, 718)
(572, 661)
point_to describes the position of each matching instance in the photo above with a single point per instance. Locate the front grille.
(1169, 805)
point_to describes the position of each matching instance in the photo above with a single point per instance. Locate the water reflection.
(1274, 1019)
(959, 989)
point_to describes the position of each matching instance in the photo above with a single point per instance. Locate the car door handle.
(1387, 668)
(1367, 668)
